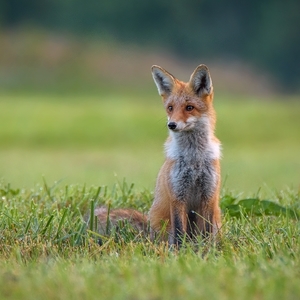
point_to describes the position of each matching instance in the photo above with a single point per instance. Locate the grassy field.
(47, 251)
(97, 140)
(82, 144)
(76, 117)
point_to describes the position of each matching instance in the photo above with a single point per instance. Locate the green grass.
(79, 143)
(47, 251)
(59, 152)
(92, 139)
(81, 139)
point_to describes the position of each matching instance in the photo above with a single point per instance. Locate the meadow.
(61, 155)
(48, 251)
(100, 139)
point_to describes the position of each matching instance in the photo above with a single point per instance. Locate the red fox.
(188, 184)
(186, 200)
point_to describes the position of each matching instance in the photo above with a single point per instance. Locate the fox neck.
(194, 145)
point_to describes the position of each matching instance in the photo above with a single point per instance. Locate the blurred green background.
(78, 103)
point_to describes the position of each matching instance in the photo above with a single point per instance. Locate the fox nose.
(172, 125)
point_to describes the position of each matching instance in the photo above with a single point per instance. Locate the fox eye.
(170, 108)
(189, 107)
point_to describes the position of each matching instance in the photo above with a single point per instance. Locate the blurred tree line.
(266, 33)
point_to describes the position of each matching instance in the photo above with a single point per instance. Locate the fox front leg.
(178, 223)
(209, 218)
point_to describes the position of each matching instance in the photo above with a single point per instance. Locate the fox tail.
(116, 218)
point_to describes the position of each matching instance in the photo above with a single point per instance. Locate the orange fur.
(114, 217)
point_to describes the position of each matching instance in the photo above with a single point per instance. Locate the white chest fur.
(193, 176)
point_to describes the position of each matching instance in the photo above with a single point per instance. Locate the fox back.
(187, 189)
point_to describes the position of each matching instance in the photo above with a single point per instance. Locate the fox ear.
(163, 80)
(200, 81)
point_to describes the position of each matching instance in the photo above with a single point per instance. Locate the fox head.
(188, 105)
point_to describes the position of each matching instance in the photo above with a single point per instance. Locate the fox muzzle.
(172, 125)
